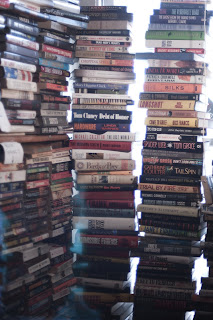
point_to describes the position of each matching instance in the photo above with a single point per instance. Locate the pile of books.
(104, 210)
(172, 158)
(36, 45)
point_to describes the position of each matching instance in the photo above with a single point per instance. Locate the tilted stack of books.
(13, 228)
(172, 157)
(36, 197)
(104, 209)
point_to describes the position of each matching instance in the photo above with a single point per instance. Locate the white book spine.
(108, 136)
(63, 5)
(12, 176)
(39, 265)
(16, 94)
(26, 114)
(103, 223)
(104, 165)
(172, 63)
(171, 210)
(105, 179)
(101, 96)
(175, 44)
(17, 65)
(52, 113)
(175, 78)
(106, 80)
(80, 154)
(21, 85)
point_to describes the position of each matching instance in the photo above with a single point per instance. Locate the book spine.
(23, 27)
(17, 65)
(173, 210)
(179, 170)
(106, 187)
(100, 154)
(56, 43)
(172, 113)
(17, 74)
(98, 116)
(103, 212)
(102, 48)
(61, 52)
(174, 63)
(22, 42)
(107, 68)
(111, 179)
(179, 50)
(53, 64)
(169, 96)
(180, 11)
(13, 84)
(174, 71)
(104, 55)
(174, 35)
(103, 223)
(168, 294)
(54, 71)
(167, 188)
(103, 38)
(104, 165)
(114, 146)
(173, 88)
(176, 27)
(102, 43)
(173, 122)
(108, 136)
(112, 241)
(196, 147)
(165, 196)
(178, 19)
(176, 130)
(164, 160)
(168, 232)
(101, 127)
(175, 78)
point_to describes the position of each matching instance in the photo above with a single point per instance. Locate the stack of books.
(13, 227)
(104, 210)
(172, 157)
(36, 45)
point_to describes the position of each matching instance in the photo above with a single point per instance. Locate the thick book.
(174, 170)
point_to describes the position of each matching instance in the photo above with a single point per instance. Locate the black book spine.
(176, 130)
(168, 218)
(182, 170)
(187, 138)
(192, 147)
(23, 27)
(104, 32)
(100, 187)
(56, 43)
(170, 180)
(107, 68)
(19, 58)
(66, 14)
(109, 16)
(19, 50)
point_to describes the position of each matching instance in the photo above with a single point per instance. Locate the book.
(177, 122)
(104, 165)
(103, 223)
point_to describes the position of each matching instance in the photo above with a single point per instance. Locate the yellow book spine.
(167, 104)
(171, 122)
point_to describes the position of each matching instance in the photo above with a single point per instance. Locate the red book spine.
(5, 4)
(60, 52)
(109, 240)
(60, 175)
(120, 195)
(37, 184)
(103, 145)
(112, 204)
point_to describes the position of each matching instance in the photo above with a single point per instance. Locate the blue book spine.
(107, 86)
(10, 73)
(53, 64)
(184, 56)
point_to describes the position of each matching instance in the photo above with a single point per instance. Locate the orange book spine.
(172, 87)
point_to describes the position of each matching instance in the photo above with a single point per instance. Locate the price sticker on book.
(11, 152)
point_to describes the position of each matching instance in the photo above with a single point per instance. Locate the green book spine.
(174, 35)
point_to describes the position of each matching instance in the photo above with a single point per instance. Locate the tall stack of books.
(104, 209)
(36, 197)
(172, 157)
(14, 235)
